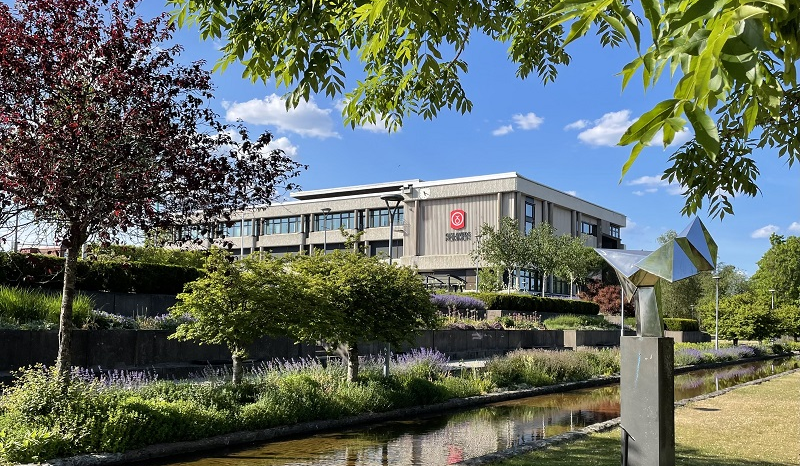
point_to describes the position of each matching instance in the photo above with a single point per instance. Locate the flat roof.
(395, 186)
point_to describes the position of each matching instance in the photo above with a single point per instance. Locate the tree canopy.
(734, 61)
(102, 130)
(237, 302)
(359, 298)
(779, 270)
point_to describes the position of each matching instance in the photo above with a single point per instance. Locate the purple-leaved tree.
(102, 130)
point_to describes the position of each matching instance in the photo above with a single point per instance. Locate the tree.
(504, 248)
(101, 130)
(360, 298)
(742, 317)
(735, 58)
(579, 260)
(788, 316)
(237, 302)
(608, 297)
(545, 251)
(779, 270)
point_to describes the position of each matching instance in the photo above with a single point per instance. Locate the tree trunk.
(237, 356)
(64, 359)
(352, 362)
(544, 284)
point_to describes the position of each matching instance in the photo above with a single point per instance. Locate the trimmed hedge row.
(529, 303)
(681, 325)
(48, 272)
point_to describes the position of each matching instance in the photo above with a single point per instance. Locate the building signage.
(457, 219)
(460, 236)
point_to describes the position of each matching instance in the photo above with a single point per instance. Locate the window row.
(285, 225)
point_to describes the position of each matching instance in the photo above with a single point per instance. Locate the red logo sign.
(457, 219)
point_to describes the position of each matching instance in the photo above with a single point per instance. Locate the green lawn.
(753, 425)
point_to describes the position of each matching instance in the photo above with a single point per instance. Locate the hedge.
(48, 272)
(681, 325)
(529, 303)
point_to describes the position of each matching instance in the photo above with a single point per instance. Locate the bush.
(578, 322)
(453, 302)
(21, 306)
(541, 367)
(681, 325)
(47, 272)
(529, 303)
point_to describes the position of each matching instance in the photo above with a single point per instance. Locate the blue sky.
(562, 135)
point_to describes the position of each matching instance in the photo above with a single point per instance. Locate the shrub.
(47, 271)
(453, 302)
(578, 322)
(681, 325)
(21, 306)
(529, 303)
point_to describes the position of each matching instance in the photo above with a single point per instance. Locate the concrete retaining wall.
(119, 349)
(132, 304)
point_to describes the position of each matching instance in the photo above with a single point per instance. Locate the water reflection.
(448, 439)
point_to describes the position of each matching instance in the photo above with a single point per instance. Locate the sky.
(562, 135)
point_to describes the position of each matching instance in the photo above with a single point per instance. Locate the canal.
(449, 438)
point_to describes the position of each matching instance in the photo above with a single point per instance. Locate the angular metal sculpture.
(691, 252)
(646, 385)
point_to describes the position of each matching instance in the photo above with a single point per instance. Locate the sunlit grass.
(754, 425)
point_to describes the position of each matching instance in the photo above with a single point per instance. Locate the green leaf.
(699, 10)
(632, 158)
(649, 123)
(705, 130)
(751, 116)
(652, 11)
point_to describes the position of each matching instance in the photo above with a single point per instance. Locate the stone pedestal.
(647, 401)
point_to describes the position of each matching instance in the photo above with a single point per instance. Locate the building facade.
(436, 226)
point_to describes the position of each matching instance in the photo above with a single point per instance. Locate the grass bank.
(749, 426)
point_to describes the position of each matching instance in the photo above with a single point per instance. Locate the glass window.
(530, 280)
(280, 226)
(247, 228)
(588, 228)
(530, 210)
(233, 230)
(334, 220)
(380, 217)
(615, 231)
(560, 286)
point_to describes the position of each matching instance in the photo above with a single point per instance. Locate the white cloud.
(580, 124)
(285, 145)
(607, 129)
(528, 121)
(794, 227)
(571, 193)
(307, 119)
(652, 184)
(764, 232)
(503, 130)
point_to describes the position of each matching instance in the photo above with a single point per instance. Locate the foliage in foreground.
(42, 418)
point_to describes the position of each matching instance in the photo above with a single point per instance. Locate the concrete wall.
(119, 349)
(132, 304)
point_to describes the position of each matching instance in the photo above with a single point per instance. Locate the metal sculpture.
(646, 385)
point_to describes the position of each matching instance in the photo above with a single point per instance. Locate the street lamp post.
(716, 278)
(772, 292)
(392, 204)
(325, 211)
